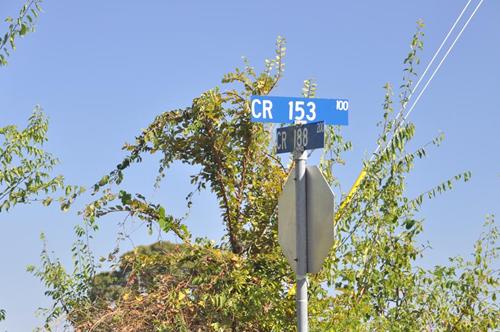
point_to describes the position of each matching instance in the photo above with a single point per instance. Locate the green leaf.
(23, 30)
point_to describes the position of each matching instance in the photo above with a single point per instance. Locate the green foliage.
(19, 27)
(68, 291)
(216, 134)
(25, 172)
(369, 281)
(462, 296)
(187, 287)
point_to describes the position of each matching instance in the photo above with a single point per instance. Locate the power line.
(427, 68)
(442, 60)
(362, 174)
(434, 56)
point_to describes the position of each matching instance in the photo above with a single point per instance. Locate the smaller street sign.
(299, 109)
(307, 137)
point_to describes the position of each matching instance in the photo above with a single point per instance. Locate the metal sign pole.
(309, 116)
(301, 215)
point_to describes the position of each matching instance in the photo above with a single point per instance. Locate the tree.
(25, 173)
(26, 167)
(19, 27)
(244, 283)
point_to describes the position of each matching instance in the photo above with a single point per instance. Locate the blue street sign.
(304, 110)
(309, 136)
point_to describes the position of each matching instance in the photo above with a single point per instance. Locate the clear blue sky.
(103, 69)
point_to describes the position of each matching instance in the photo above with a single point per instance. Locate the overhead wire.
(443, 59)
(362, 174)
(403, 108)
